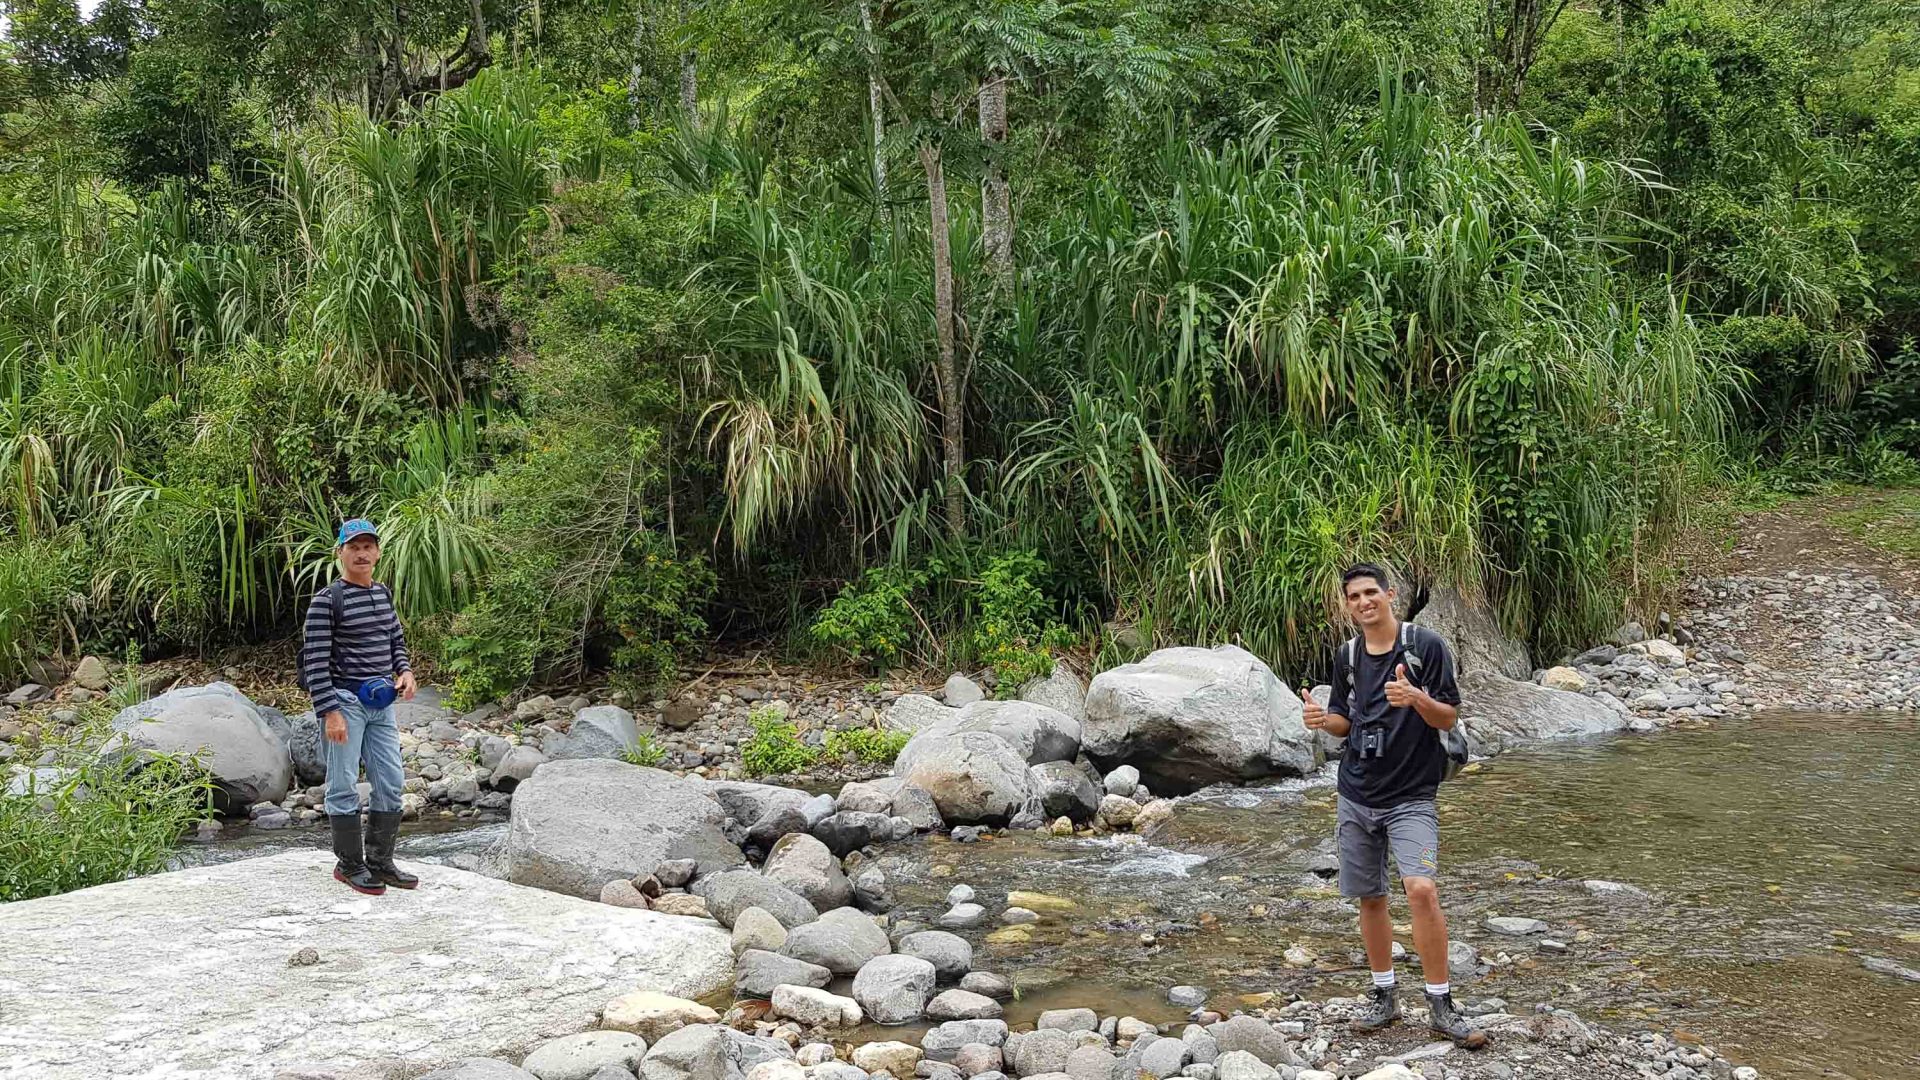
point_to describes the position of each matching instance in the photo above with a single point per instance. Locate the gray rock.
(842, 941)
(943, 1042)
(303, 737)
(961, 691)
(1502, 713)
(516, 767)
(1164, 1057)
(974, 1059)
(1124, 780)
(1043, 1051)
(949, 954)
(1064, 790)
(806, 866)
(493, 749)
(1061, 691)
(1515, 926)
(913, 712)
(846, 831)
(1118, 811)
(753, 928)
(575, 825)
(916, 804)
(838, 1070)
(1884, 966)
(776, 823)
(757, 972)
(729, 893)
(960, 894)
(1090, 1063)
(579, 1057)
(1463, 960)
(91, 673)
(1253, 1036)
(815, 1007)
(1187, 997)
(962, 1005)
(480, 1069)
(871, 889)
(973, 777)
(1472, 629)
(894, 989)
(1068, 1020)
(866, 798)
(248, 760)
(604, 731)
(1614, 890)
(1035, 732)
(1189, 717)
(817, 809)
(1243, 1065)
(710, 1052)
(675, 873)
(994, 986)
(963, 916)
(748, 803)
(1201, 1047)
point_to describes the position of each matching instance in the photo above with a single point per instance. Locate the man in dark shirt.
(1393, 693)
(353, 635)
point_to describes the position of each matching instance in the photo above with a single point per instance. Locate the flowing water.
(1778, 852)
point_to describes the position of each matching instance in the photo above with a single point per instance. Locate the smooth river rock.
(1502, 713)
(974, 776)
(248, 759)
(576, 825)
(1189, 717)
(465, 966)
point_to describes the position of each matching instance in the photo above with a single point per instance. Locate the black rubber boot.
(1446, 1021)
(352, 870)
(1379, 1013)
(383, 831)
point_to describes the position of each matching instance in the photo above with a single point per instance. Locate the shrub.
(645, 753)
(774, 748)
(39, 581)
(101, 821)
(872, 619)
(871, 745)
(1015, 633)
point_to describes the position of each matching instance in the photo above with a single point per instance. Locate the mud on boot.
(1381, 1010)
(1446, 1021)
(351, 869)
(383, 831)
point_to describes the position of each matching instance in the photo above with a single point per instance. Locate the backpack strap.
(1407, 653)
(337, 598)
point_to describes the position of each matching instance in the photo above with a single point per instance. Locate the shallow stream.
(1778, 853)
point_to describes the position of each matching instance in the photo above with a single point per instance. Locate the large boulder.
(247, 759)
(842, 941)
(1064, 790)
(710, 1052)
(805, 865)
(1473, 632)
(1501, 713)
(730, 893)
(1037, 733)
(1190, 717)
(974, 777)
(603, 731)
(302, 735)
(576, 825)
(1061, 691)
(894, 989)
(912, 712)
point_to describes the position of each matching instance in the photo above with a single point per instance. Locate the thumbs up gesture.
(1399, 690)
(1312, 713)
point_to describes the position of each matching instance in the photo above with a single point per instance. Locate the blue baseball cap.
(353, 528)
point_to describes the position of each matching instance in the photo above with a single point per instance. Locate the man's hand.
(336, 726)
(1312, 713)
(406, 684)
(1401, 692)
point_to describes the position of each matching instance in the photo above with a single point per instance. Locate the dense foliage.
(926, 329)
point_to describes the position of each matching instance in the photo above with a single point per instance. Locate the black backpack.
(336, 596)
(1453, 740)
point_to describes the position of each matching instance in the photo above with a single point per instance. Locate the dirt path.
(1818, 618)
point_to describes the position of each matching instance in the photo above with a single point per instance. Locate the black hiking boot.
(351, 870)
(1447, 1022)
(1380, 1012)
(383, 831)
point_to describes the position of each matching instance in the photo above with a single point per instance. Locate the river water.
(1777, 854)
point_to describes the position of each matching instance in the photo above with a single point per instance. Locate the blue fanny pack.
(376, 693)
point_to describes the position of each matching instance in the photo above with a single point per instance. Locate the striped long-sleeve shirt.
(369, 642)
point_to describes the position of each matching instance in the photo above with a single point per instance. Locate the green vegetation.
(870, 745)
(646, 753)
(96, 819)
(937, 331)
(774, 748)
(1887, 520)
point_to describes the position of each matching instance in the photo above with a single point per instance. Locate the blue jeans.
(373, 739)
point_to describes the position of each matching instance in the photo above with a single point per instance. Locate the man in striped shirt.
(352, 635)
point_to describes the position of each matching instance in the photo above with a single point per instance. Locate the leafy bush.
(872, 620)
(874, 746)
(40, 583)
(100, 821)
(774, 748)
(1015, 632)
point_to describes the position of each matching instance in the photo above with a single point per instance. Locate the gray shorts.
(1411, 830)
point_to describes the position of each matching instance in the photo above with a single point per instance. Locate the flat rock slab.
(186, 974)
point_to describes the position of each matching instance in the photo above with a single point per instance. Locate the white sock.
(1436, 989)
(1384, 978)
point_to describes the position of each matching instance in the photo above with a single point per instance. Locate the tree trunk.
(996, 201)
(637, 75)
(874, 108)
(946, 371)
